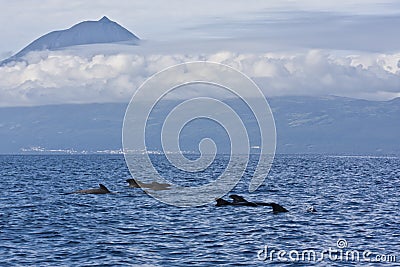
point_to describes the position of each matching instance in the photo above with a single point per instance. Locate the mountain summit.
(86, 32)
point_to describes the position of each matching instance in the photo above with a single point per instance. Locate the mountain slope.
(87, 32)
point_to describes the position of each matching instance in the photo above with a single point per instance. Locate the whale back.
(237, 199)
(222, 202)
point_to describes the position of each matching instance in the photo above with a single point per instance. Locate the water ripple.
(356, 198)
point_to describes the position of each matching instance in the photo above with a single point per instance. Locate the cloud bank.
(55, 77)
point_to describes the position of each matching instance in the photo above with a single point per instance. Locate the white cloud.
(66, 77)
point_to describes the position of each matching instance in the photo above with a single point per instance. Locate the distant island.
(322, 125)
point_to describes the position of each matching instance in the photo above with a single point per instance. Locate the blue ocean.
(356, 223)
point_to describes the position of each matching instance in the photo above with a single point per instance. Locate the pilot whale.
(240, 201)
(311, 209)
(153, 185)
(101, 190)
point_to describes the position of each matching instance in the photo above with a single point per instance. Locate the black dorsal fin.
(104, 187)
(277, 208)
(132, 182)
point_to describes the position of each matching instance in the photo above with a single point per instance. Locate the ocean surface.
(356, 198)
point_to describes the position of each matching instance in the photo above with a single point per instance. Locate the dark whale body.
(240, 201)
(311, 209)
(153, 185)
(101, 190)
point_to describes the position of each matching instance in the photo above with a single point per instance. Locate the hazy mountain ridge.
(330, 125)
(337, 125)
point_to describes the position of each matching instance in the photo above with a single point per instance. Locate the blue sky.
(345, 48)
